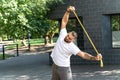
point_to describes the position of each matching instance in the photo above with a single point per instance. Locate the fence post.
(29, 35)
(17, 49)
(3, 48)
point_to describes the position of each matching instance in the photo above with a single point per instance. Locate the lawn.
(39, 41)
(33, 42)
(6, 56)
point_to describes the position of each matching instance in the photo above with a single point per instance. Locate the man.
(63, 50)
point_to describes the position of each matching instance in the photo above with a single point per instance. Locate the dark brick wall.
(96, 19)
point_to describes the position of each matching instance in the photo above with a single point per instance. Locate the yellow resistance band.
(101, 62)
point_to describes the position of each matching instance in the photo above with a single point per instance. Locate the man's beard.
(66, 40)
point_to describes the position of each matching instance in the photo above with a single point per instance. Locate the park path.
(35, 66)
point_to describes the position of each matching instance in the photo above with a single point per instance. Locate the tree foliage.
(14, 22)
(18, 17)
(115, 22)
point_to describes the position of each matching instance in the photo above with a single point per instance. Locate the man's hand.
(70, 9)
(98, 57)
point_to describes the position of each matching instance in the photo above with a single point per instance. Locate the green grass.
(6, 56)
(38, 41)
(32, 42)
(9, 47)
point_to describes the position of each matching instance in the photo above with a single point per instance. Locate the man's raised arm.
(66, 16)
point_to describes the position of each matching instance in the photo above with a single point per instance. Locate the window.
(115, 23)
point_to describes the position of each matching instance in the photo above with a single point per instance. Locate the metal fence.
(3, 49)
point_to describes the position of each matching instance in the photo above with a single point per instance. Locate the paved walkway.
(36, 67)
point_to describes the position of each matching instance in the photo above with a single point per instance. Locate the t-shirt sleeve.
(63, 32)
(74, 49)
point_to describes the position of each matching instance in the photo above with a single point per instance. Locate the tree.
(53, 28)
(14, 21)
(18, 17)
(39, 20)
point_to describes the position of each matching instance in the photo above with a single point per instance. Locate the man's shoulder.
(63, 29)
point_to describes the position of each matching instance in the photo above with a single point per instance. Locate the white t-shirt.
(62, 51)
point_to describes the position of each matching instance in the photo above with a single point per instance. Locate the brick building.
(96, 17)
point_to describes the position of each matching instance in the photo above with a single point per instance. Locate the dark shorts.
(61, 73)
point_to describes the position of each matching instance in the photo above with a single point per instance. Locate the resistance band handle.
(101, 62)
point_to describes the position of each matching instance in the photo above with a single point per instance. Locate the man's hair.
(74, 34)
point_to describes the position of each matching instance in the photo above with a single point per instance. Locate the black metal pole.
(29, 40)
(17, 50)
(3, 52)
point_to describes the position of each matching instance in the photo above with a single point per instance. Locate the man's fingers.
(99, 56)
(71, 8)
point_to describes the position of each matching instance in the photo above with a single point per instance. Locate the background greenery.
(33, 42)
(20, 18)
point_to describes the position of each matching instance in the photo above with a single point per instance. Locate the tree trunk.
(23, 42)
(51, 38)
(0, 39)
(46, 40)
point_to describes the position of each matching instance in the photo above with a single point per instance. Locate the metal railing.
(3, 49)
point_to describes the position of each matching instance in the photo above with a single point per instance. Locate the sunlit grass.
(33, 42)
(6, 56)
